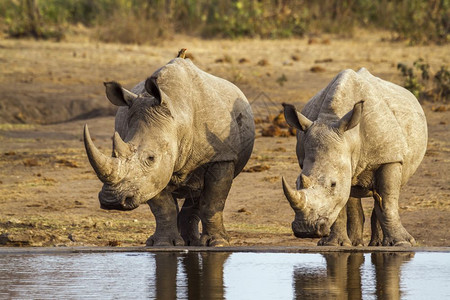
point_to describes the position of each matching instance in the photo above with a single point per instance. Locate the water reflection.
(207, 282)
(165, 278)
(342, 279)
(387, 271)
(221, 275)
(343, 276)
(200, 275)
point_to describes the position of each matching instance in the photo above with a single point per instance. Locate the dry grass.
(65, 193)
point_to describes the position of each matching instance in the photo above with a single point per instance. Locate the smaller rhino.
(361, 136)
(180, 134)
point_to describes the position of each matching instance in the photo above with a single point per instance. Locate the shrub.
(419, 21)
(426, 86)
(130, 29)
(29, 19)
(442, 82)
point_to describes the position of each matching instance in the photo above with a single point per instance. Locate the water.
(222, 275)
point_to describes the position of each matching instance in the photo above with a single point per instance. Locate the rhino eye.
(149, 161)
(333, 184)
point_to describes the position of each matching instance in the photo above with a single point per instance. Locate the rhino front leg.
(338, 235)
(388, 182)
(355, 221)
(188, 220)
(164, 208)
(348, 228)
(218, 179)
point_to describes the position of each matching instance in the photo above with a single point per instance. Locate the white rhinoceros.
(182, 133)
(360, 136)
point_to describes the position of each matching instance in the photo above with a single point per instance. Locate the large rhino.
(182, 133)
(360, 136)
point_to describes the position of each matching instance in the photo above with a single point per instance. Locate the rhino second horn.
(129, 96)
(120, 148)
(306, 182)
(295, 198)
(103, 165)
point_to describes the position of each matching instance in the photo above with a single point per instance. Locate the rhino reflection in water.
(203, 275)
(360, 136)
(344, 277)
(182, 133)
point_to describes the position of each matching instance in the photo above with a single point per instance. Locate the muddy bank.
(48, 191)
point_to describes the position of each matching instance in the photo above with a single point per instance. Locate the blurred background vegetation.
(146, 21)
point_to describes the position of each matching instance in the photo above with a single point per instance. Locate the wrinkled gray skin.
(360, 136)
(182, 133)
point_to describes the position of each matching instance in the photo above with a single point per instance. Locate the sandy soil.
(48, 191)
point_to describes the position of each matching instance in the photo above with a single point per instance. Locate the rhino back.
(214, 117)
(393, 125)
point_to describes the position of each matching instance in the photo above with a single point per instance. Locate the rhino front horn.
(105, 167)
(295, 197)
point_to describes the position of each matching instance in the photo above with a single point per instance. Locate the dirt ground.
(49, 90)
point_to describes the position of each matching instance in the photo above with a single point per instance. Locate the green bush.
(253, 19)
(40, 20)
(422, 21)
(442, 82)
(419, 21)
(426, 86)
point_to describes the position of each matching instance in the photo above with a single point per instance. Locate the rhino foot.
(164, 241)
(375, 242)
(214, 240)
(403, 240)
(407, 241)
(357, 242)
(334, 240)
(191, 240)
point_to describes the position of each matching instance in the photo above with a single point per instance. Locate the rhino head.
(324, 152)
(142, 162)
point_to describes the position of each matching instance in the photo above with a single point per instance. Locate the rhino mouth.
(123, 206)
(304, 229)
(112, 201)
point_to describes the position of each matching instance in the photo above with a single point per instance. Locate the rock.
(257, 168)
(15, 239)
(325, 60)
(263, 62)
(317, 69)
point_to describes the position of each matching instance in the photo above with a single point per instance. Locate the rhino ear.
(119, 96)
(152, 88)
(295, 119)
(352, 118)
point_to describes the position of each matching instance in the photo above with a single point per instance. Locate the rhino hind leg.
(217, 184)
(388, 183)
(164, 208)
(338, 235)
(376, 238)
(188, 220)
(355, 221)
